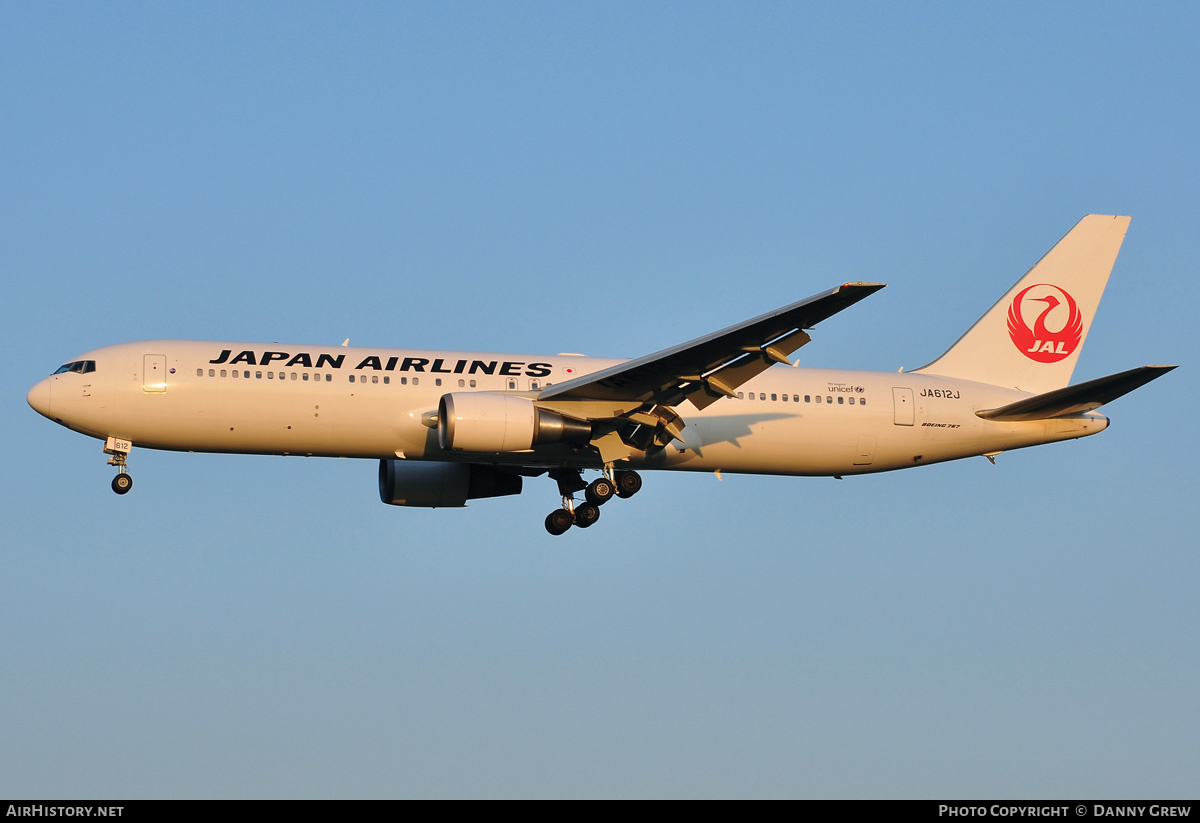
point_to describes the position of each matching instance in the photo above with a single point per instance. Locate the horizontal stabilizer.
(1075, 399)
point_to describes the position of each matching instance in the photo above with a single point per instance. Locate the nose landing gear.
(118, 450)
(621, 484)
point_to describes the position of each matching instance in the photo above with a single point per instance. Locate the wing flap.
(1075, 399)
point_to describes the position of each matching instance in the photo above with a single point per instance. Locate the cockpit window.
(77, 366)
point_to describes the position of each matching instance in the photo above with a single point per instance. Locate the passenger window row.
(258, 375)
(808, 398)
(328, 378)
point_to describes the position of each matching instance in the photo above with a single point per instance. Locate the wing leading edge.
(711, 367)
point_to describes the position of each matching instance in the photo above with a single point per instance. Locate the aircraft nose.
(39, 397)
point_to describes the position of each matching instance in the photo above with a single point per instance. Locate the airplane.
(452, 426)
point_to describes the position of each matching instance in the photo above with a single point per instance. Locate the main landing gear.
(624, 483)
(118, 451)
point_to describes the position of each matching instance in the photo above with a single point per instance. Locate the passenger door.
(154, 373)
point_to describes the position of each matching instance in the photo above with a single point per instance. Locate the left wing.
(713, 366)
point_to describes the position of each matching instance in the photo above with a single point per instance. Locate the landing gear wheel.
(629, 483)
(586, 514)
(122, 483)
(600, 491)
(558, 521)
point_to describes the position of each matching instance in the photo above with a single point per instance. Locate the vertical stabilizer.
(1031, 338)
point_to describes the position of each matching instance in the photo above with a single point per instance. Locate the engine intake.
(494, 422)
(437, 485)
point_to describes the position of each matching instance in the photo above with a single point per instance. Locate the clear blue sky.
(611, 179)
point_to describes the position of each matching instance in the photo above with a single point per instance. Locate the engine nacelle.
(437, 485)
(494, 422)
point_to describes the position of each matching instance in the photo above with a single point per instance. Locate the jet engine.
(494, 422)
(436, 485)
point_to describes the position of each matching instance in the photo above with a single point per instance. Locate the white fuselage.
(337, 401)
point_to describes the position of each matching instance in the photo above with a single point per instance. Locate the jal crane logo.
(1057, 328)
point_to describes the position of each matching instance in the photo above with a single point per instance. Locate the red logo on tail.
(1040, 343)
